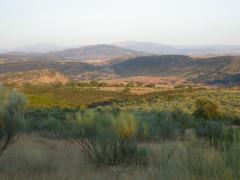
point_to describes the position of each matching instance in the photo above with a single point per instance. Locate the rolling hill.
(69, 68)
(208, 70)
(85, 53)
(150, 47)
(222, 70)
(151, 65)
(96, 52)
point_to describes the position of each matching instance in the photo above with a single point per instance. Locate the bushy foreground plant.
(108, 137)
(159, 126)
(231, 157)
(207, 109)
(11, 112)
(204, 162)
(47, 121)
(218, 134)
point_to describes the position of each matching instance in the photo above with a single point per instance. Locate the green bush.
(218, 134)
(167, 127)
(158, 126)
(206, 109)
(107, 137)
(11, 112)
(53, 122)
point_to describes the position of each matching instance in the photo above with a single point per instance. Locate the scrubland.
(57, 132)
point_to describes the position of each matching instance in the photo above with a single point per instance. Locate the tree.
(11, 111)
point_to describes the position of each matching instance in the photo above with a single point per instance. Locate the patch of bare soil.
(95, 76)
(148, 80)
(34, 77)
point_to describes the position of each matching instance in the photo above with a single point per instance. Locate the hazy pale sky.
(72, 22)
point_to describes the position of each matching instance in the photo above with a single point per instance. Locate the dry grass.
(133, 90)
(36, 158)
(34, 77)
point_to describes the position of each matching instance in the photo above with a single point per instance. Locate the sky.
(78, 22)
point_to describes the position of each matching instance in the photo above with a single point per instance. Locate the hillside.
(34, 77)
(233, 79)
(222, 70)
(206, 70)
(149, 47)
(69, 68)
(96, 52)
(85, 53)
(152, 65)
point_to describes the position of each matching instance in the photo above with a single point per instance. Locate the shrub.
(126, 90)
(108, 137)
(206, 109)
(218, 134)
(11, 112)
(47, 121)
(166, 127)
(158, 126)
(184, 118)
(211, 130)
(125, 126)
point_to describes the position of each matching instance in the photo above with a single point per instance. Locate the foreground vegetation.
(175, 134)
(40, 158)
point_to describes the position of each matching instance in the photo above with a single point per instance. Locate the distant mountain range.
(161, 49)
(86, 53)
(95, 52)
(132, 59)
(110, 50)
(222, 70)
(149, 47)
